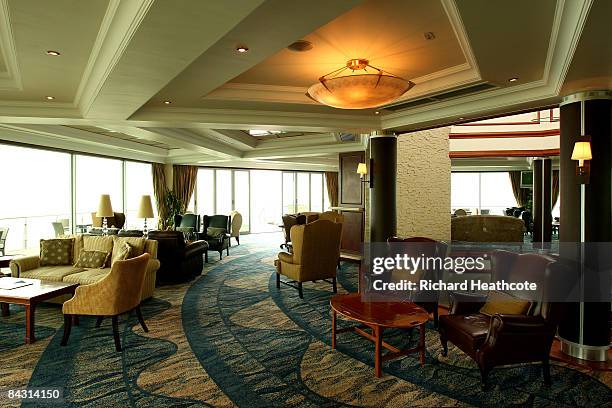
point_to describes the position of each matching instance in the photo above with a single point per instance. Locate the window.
(316, 192)
(138, 182)
(289, 193)
(224, 191)
(37, 198)
(96, 176)
(205, 192)
(303, 192)
(489, 192)
(241, 196)
(266, 200)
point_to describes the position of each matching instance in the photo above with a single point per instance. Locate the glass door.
(241, 200)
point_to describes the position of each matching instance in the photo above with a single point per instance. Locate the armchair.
(503, 338)
(3, 234)
(117, 293)
(289, 220)
(178, 261)
(316, 251)
(215, 232)
(417, 246)
(187, 221)
(236, 225)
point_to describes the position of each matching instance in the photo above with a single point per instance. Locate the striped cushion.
(98, 243)
(137, 245)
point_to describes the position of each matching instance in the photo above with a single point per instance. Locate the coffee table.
(31, 295)
(379, 316)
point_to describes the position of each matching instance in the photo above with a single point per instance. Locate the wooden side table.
(379, 316)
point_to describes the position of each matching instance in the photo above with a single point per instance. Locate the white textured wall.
(423, 184)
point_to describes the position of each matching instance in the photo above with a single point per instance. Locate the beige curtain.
(520, 194)
(331, 179)
(555, 187)
(183, 183)
(160, 190)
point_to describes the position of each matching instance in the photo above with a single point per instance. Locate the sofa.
(179, 261)
(487, 228)
(29, 266)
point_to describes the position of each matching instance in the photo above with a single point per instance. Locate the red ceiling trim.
(502, 153)
(501, 135)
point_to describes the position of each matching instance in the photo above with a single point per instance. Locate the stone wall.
(423, 184)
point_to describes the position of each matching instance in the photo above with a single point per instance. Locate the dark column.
(383, 165)
(586, 217)
(542, 201)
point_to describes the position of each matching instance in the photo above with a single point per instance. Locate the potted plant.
(174, 206)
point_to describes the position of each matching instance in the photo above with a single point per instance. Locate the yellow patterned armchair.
(316, 251)
(118, 292)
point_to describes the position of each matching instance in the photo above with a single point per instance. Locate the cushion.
(56, 251)
(98, 243)
(51, 273)
(123, 252)
(92, 259)
(469, 330)
(137, 244)
(215, 232)
(87, 277)
(77, 247)
(503, 303)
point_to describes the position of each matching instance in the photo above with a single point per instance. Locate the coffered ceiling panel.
(67, 26)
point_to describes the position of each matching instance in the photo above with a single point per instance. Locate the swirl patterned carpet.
(230, 338)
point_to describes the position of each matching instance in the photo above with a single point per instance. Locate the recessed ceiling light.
(377, 113)
(461, 118)
(429, 35)
(167, 102)
(300, 46)
(513, 79)
(242, 48)
(53, 53)
(50, 98)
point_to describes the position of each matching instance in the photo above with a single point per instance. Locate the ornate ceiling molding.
(11, 79)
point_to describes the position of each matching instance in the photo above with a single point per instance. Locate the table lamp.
(105, 209)
(145, 210)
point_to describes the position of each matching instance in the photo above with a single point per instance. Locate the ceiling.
(162, 81)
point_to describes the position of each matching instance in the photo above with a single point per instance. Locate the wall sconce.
(582, 153)
(362, 170)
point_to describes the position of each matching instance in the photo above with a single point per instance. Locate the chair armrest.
(501, 323)
(285, 257)
(195, 247)
(27, 263)
(466, 303)
(527, 337)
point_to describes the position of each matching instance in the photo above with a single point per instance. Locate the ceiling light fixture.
(513, 79)
(242, 49)
(53, 53)
(357, 90)
(300, 46)
(167, 102)
(377, 113)
(50, 98)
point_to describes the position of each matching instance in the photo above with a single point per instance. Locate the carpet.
(230, 338)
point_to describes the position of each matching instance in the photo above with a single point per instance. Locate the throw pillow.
(215, 232)
(92, 259)
(56, 251)
(98, 243)
(124, 252)
(503, 303)
(137, 244)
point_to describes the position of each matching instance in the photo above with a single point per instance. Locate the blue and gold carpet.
(230, 338)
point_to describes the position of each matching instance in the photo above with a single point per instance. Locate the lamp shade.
(105, 209)
(582, 151)
(145, 210)
(362, 169)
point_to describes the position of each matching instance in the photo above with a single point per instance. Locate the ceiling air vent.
(347, 137)
(442, 96)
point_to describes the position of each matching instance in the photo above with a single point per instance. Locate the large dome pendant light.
(358, 90)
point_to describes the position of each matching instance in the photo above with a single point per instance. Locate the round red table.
(379, 316)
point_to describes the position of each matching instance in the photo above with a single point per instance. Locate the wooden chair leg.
(334, 285)
(277, 280)
(220, 254)
(238, 240)
(546, 371)
(141, 319)
(116, 333)
(227, 251)
(444, 346)
(99, 321)
(67, 327)
(300, 292)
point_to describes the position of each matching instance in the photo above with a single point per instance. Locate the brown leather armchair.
(179, 261)
(316, 250)
(508, 339)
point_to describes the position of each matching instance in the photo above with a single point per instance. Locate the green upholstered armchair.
(215, 231)
(187, 221)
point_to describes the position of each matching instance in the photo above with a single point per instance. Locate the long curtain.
(520, 194)
(555, 187)
(160, 190)
(183, 183)
(331, 179)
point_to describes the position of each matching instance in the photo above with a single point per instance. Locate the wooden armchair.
(117, 293)
(316, 251)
